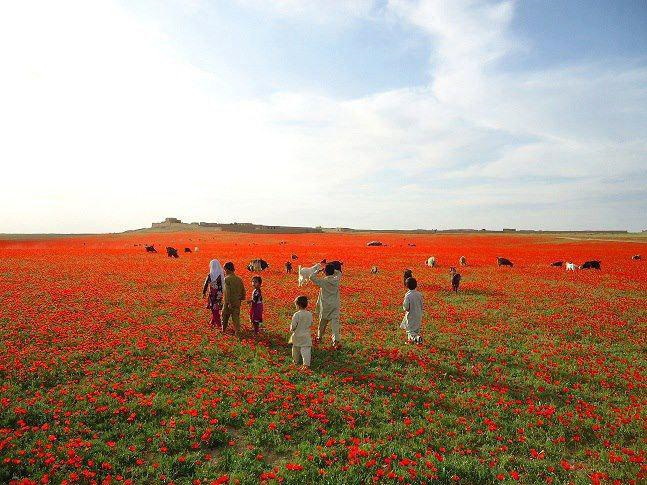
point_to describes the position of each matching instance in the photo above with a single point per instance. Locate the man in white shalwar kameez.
(412, 306)
(328, 302)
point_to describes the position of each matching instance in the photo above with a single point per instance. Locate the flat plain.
(109, 370)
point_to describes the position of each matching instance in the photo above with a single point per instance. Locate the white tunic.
(413, 307)
(300, 328)
(328, 300)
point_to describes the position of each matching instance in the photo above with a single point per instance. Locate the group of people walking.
(226, 294)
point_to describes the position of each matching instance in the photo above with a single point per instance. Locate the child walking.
(214, 282)
(301, 337)
(412, 306)
(234, 295)
(256, 308)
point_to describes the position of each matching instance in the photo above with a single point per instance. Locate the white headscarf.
(215, 270)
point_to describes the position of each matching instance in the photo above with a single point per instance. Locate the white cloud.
(101, 113)
(339, 11)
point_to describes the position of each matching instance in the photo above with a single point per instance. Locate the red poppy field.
(109, 371)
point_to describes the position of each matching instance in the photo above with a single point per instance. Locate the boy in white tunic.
(413, 312)
(301, 338)
(328, 301)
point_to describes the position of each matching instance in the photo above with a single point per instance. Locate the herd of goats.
(258, 264)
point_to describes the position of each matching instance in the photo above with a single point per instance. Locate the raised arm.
(314, 277)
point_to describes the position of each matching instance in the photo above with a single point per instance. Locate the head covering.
(215, 270)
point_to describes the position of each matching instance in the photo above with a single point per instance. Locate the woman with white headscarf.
(215, 282)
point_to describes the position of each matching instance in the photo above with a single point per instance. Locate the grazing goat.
(431, 262)
(636, 257)
(257, 265)
(504, 261)
(571, 266)
(456, 279)
(187, 250)
(374, 270)
(593, 264)
(171, 252)
(151, 249)
(462, 261)
(557, 263)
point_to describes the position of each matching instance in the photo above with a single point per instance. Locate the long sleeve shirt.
(412, 305)
(207, 282)
(328, 301)
(300, 328)
(234, 290)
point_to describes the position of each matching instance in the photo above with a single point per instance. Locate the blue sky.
(337, 57)
(361, 113)
(369, 54)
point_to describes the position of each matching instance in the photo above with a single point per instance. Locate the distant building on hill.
(248, 227)
(168, 222)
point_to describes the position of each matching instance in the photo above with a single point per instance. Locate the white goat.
(305, 273)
